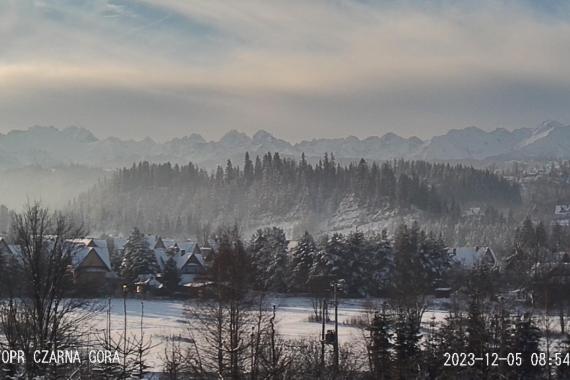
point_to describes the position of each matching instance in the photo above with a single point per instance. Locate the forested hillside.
(172, 199)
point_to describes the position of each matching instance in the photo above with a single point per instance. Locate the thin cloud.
(376, 59)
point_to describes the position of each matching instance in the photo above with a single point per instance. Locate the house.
(472, 257)
(192, 260)
(91, 261)
(188, 258)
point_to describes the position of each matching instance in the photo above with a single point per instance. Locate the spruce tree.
(170, 275)
(526, 341)
(478, 337)
(407, 344)
(352, 264)
(268, 250)
(138, 258)
(302, 259)
(451, 337)
(380, 346)
(248, 170)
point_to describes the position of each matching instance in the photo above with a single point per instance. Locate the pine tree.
(380, 346)
(378, 260)
(541, 235)
(352, 264)
(556, 237)
(501, 331)
(332, 257)
(450, 338)
(527, 342)
(138, 258)
(527, 235)
(170, 275)
(407, 344)
(478, 337)
(248, 170)
(268, 250)
(302, 259)
(407, 266)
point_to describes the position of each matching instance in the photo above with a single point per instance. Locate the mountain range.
(53, 147)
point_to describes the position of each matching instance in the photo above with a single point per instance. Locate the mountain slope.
(325, 196)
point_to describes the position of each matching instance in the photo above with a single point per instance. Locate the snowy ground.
(164, 318)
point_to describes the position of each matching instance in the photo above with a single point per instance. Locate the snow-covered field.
(164, 318)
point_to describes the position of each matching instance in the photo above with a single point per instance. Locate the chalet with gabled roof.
(91, 261)
(188, 257)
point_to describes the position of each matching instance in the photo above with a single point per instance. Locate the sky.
(298, 69)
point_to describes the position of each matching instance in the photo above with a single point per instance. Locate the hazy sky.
(299, 69)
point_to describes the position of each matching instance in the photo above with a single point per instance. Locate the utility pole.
(125, 289)
(335, 288)
(140, 291)
(323, 322)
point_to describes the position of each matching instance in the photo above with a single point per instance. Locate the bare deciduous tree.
(39, 312)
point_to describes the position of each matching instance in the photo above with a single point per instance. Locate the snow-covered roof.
(562, 210)
(84, 246)
(200, 284)
(200, 258)
(160, 256)
(180, 255)
(187, 246)
(149, 280)
(170, 243)
(90, 242)
(470, 257)
(79, 250)
(16, 250)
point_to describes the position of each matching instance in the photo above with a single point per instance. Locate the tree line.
(185, 199)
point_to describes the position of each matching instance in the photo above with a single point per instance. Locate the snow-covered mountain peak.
(547, 125)
(234, 137)
(262, 136)
(540, 132)
(416, 140)
(197, 138)
(80, 134)
(391, 137)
